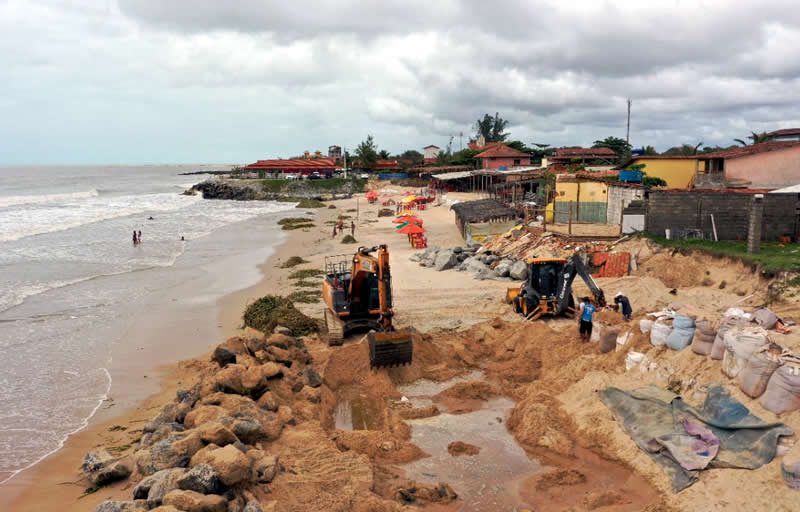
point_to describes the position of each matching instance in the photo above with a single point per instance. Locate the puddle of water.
(424, 388)
(357, 411)
(489, 480)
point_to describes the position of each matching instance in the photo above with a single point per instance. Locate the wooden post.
(569, 228)
(578, 205)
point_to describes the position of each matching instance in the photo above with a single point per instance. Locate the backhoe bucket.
(389, 348)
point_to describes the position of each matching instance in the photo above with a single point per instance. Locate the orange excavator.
(357, 291)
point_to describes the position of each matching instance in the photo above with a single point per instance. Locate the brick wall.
(692, 210)
(620, 196)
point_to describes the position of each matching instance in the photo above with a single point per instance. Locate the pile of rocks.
(204, 450)
(485, 265)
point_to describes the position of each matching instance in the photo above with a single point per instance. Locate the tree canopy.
(410, 154)
(619, 146)
(367, 152)
(492, 128)
(384, 155)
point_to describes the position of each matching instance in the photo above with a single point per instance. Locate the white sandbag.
(659, 333)
(623, 340)
(682, 333)
(765, 318)
(645, 325)
(633, 359)
(740, 343)
(596, 332)
(704, 336)
(608, 340)
(738, 314)
(783, 390)
(718, 348)
(758, 369)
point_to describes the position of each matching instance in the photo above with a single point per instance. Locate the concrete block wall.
(731, 210)
(620, 196)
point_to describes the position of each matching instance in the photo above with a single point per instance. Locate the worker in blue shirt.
(585, 313)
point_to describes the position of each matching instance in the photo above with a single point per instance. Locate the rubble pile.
(503, 257)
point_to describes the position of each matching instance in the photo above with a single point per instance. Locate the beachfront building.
(760, 166)
(500, 156)
(430, 152)
(478, 220)
(334, 151)
(785, 135)
(586, 156)
(293, 166)
(677, 170)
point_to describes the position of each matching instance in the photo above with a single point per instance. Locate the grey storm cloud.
(234, 81)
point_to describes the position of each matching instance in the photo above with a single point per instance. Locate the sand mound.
(558, 478)
(675, 271)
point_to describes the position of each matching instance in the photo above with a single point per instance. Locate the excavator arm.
(575, 267)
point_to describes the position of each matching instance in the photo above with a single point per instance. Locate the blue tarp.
(681, 438)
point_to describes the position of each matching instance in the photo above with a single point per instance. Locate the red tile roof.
(474, 146)
(293, 164)
(785, 131)
(386, 164)
(502, 151)
(584, 152)
(753, 149)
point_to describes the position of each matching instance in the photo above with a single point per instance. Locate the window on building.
(516, 162)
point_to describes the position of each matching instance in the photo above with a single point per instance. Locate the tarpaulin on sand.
(685, 440)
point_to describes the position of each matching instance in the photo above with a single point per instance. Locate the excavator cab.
(548, 289)
(357, 291)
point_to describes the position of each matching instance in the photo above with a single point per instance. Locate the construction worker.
(585, 313)
(624, 306)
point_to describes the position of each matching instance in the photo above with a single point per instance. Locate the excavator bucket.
(388, 349)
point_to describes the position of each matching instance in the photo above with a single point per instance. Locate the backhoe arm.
(573, 268)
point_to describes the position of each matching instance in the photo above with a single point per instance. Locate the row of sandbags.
(760, 367)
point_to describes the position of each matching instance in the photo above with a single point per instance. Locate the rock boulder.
(202, 478)
(190, 501)
(101, 468)
(231, 464)
(216, 433)
(519, 270)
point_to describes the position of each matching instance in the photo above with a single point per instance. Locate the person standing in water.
(140, 236)
(135, 240)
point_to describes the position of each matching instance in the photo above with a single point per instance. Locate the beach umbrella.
(409, 199)
(405, 212)
(409, 218)
(372, 193)
(411, 228)
(401, 226)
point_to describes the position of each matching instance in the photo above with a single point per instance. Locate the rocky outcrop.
(230, 189)
(205, 449)
(466, 259)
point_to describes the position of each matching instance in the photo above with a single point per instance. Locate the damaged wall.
(683, 210)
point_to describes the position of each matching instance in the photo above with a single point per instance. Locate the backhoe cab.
(357, 291)
(548, 289)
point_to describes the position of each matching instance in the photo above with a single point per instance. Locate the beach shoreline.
(144, 385)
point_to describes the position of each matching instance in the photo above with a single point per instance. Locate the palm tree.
(756, 138)
(384, 155)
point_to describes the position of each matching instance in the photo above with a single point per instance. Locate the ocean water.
(73, 287)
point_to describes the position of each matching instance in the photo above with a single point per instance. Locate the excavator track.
(388, 349)
(334, 329)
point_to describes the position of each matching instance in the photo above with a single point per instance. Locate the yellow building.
(677, 171)
(586, 198)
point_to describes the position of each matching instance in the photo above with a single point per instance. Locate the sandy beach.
(535, 381)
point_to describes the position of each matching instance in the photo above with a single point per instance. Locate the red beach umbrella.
(411, 228)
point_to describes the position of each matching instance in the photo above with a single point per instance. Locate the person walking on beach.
(624, 306)
(334, 231)
(585, 313)
(352, 228)
(341, 226)
(135, 240)
(140, 236)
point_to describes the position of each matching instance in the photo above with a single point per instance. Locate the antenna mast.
(628, 132)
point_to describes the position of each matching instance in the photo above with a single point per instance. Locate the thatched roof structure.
(483, 210)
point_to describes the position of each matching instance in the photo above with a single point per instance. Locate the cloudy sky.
(167, 81)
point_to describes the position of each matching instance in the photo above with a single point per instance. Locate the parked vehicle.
(364, 175)
(314, 176)
(291, 176)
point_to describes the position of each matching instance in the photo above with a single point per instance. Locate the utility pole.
(628, 132)
(344, 155)
(460, 141)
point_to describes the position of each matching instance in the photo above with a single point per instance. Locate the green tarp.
(681, 438)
